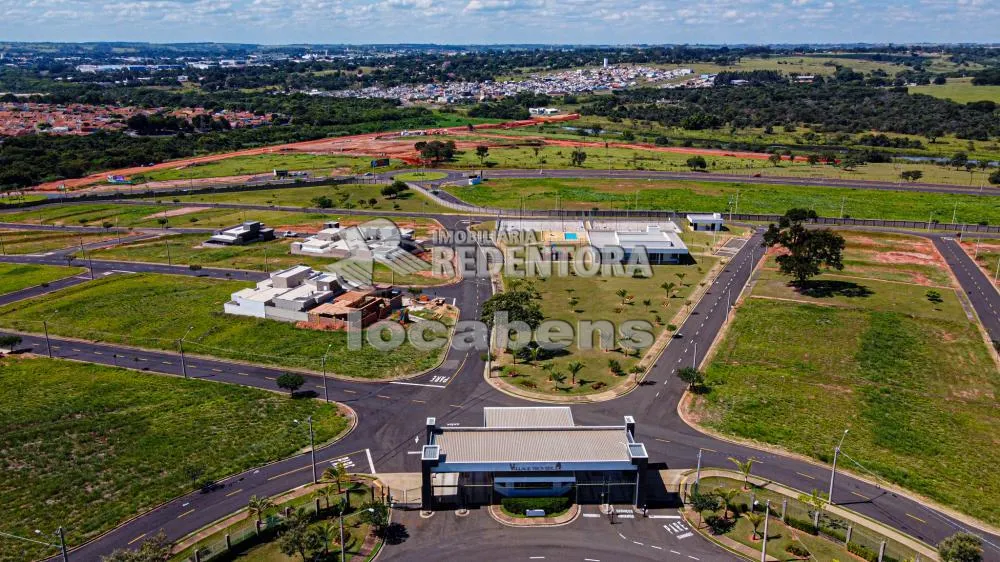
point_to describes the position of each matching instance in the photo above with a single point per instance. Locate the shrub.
(862, 551)
(518, 506)
(802, 525)
(836, 534)
(194, 267)
(527, 383)
(797, 550)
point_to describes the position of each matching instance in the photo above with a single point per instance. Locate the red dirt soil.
(367, 144)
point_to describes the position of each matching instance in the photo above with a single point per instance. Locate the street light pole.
(312, 448)
(343, 551)
(833, 471)
(763, 546)
(62, 545)
(694, 358)
(180, 345)
(48, 345)
(697, 473)
(326, 390)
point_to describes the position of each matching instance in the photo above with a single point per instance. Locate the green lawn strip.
(39, 241)
(154, 311)
(720, 197)
(421, 176)
(7, 200)
(344, 196)
(596, 300)
(118, 442)
(915, 386)
(269, 256)
(14, 277)
(245, 529)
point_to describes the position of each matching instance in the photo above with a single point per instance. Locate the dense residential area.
(534, 297)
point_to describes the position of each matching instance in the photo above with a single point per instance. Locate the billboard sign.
(380, 163)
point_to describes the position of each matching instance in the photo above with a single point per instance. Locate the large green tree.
(520, 301)
(961, 547)
(807, 249)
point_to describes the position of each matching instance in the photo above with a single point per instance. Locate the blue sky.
(502, 21)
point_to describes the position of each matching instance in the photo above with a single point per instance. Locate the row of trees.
(828, 107)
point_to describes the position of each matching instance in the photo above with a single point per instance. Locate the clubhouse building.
(532, 451)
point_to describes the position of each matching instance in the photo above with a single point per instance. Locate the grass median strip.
(14, 277)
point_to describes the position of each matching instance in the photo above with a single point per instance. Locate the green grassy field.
(154, 311)
(721, 197)
(87, 446)
(8, 200)
(264, 256)
(959, 90)
(14, 277)
(346, 196)
(38, 241)
(913, 381)
(578, 298)
(148, 216)
(321, 164)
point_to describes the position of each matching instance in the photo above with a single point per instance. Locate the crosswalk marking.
(676, 527)
(685, 535)
(347, 462)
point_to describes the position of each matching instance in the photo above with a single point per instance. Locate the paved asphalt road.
(391, 418)
(978, 287)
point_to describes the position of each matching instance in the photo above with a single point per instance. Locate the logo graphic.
(375, 241)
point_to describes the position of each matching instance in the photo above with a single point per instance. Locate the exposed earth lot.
(721, 197)
(126, 442)
(154, 311)
(912, 379)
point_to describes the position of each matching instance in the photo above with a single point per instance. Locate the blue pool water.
(570, 236)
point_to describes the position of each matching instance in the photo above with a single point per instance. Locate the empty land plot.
(40, 241)
(264, 164)
(912, 379)
(126, 442)
(154, 311)
(959, 90)
(343, 196)
(14, 277)
(721, 197)
(575, 299)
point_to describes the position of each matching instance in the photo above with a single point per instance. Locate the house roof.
(567, 444)
(539, 416)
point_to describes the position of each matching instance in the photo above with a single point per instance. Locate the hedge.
(862, 551)
(551, 505)
(801, 525)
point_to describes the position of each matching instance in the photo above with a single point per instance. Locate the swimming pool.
(570, 236)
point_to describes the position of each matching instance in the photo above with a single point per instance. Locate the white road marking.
(417, 384)
(685, 535)
(371, 464)
(585, 514)
(664, 516)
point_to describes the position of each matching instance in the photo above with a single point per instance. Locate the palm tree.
(622, 293)
(728, 497)
(574, 368)
(681, 277)
(327, 493)
(817, 500)
(669, 288)
(258, 505)
(328, 533)
(534, 352)
(755, 519)
(337, 473)
(744, 467)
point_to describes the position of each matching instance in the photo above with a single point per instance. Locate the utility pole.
(48, 345)
(841, 207)
(167, 246)
(326, 390)
(694, 358)
(833, 471)
(954, 213)
(763, 546)
(2, 249)
(180, 345)
(312, 448)
(697, 473)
